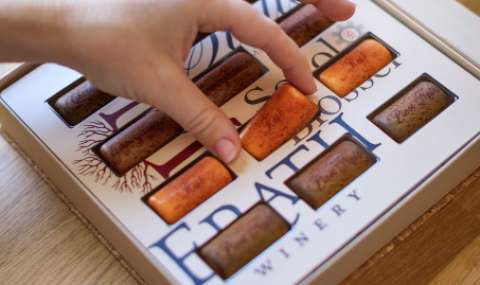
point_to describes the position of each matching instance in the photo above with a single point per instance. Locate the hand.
(137, 49)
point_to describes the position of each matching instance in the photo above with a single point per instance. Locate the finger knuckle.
(202, 124)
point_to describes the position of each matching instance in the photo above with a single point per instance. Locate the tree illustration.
(91, 164)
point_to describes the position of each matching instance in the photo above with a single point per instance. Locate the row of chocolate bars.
(290, 111)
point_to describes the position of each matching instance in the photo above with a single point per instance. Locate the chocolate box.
(312, 244)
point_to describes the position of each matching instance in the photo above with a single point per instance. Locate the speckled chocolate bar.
(139, 140)
(304, 24)
(412, 111)
(326, 177)
(242, 241)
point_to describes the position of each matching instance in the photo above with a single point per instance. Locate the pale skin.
(137, 49)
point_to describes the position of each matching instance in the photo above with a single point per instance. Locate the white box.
(324, 245)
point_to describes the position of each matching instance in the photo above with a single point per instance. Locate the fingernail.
(225, 150)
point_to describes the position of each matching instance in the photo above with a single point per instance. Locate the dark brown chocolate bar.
(326, 177)
(305, 24)
(242, 241)
(230, 78)
(412, 111)
(78, 104)
(139, 140)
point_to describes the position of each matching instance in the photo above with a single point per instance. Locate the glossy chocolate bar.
(78, 104)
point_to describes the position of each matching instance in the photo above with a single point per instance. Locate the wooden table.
(43, 242)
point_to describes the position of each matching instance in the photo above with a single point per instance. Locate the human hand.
(137, 49)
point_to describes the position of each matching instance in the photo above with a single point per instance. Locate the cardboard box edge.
(16, 73)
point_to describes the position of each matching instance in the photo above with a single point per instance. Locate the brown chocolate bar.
(412, 111)
(230, 78)
(326, 177)
(356, 67)
(190, 189)
(304, 24)
(78, 104)
(139, 140)
(242, 241)
(287, 112)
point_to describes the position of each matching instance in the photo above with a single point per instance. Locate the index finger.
(252, 28)
(337, 10)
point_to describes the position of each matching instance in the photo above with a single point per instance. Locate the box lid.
(455, 23)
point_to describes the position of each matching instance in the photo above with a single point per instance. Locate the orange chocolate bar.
(242, 241)
(230, 78)
(304, 24)
(139, 140)
(349, 72)
(412, 111)
(331, 173)
(190, 189)
(76, 105)
(287, 112)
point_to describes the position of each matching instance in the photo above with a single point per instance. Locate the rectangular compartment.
(412, 108)
(73, 108)
(136, 141)
(355, 65)
(189, 188)
(221, 66)
(330, 172)
(243, 240)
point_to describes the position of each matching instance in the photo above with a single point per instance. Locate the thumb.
(187, 105)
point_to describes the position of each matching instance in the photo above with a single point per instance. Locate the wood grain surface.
(473, 5)
(43, 242)
(441, 251)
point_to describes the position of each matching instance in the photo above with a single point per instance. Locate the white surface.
(449, 20)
